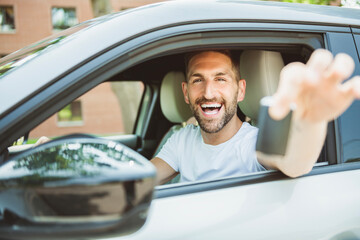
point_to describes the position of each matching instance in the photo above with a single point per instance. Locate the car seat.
(261, 70)
(173, 106)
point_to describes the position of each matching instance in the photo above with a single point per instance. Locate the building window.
(71, 115)
(63, 18)
(7, 23)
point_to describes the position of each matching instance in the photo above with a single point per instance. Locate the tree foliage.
(318, 2)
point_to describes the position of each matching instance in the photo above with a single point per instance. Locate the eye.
(221, 79)
(196, 80)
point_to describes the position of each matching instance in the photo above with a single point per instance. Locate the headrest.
(261, 70)
(172, 101)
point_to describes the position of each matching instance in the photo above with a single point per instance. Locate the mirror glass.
(74, 160)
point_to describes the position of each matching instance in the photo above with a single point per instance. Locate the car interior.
(260, 67)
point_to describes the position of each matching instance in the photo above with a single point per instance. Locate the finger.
(280, 107)
(320, 60)
(287, 91)
(341, 68)
(351, 88)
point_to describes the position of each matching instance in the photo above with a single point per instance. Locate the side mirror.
(75, 188)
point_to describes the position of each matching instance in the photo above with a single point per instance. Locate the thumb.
(279, 107)
(288, 90)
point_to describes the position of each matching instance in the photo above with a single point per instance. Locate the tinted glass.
(349, 121)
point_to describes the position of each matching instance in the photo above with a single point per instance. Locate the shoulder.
(248, 131)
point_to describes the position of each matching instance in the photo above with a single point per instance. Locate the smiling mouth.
(211, 109)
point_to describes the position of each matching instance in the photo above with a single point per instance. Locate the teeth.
(214, 105)
(211, 112)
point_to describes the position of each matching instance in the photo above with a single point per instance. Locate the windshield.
(25, 54)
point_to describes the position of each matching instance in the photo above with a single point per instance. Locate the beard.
(214, 125)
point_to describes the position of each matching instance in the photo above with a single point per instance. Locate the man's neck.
(227, 132)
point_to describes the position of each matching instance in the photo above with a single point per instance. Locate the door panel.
(313, 207)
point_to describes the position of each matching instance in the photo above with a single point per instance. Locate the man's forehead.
(209, 60)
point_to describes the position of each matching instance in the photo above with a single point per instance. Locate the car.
(101, 186)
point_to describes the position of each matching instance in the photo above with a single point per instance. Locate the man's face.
(212, 90)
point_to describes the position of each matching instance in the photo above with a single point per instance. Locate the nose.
(209, 90)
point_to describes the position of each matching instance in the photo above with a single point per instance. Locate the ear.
(242, 88)
(185, 91)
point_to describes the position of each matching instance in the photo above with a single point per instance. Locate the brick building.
(23, 22)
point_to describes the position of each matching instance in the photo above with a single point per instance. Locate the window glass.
(71, 115)
(110, 109)
(7, 23)
(349, 121)
(63, 18)
(350, 133)
(357, 41)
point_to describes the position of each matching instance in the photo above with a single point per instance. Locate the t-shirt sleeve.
(170, 151)
(256, 166)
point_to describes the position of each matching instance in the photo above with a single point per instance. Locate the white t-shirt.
(186, 152)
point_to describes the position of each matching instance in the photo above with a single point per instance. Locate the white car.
(82, 186)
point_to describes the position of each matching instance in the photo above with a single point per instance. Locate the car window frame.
(109, 63)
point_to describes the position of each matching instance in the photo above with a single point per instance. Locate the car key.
(273, 135)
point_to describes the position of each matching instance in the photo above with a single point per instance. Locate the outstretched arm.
(319, 94)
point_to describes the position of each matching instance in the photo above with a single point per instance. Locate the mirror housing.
(75, 188)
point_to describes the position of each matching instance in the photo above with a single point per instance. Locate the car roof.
(100, 34)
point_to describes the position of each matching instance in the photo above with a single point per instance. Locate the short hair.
(226, 52)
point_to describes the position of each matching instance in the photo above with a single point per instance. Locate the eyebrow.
(221, 74)
(216, 75)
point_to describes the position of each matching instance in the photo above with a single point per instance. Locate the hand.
(316, 88)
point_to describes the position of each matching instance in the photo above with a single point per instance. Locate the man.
(223, 145)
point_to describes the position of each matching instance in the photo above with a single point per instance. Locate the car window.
(119, 117)
(349, 124)
(110, 109)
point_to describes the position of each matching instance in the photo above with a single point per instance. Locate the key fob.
(273, 135)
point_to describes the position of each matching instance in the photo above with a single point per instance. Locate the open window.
(148, 64)
(108, 110)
